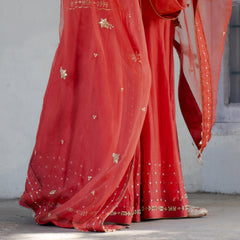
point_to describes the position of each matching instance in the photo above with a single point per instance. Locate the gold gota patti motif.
(63, 73)
(81, 4)
(105, 24)
(150, 209)
(206, 84)
(116, 157)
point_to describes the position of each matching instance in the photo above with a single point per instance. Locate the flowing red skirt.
(156, 188)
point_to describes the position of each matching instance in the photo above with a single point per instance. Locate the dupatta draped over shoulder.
(88, 144)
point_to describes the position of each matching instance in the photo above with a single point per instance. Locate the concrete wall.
(221, 168)
(29, 38)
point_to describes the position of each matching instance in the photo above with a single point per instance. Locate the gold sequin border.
(79, 4)
(149, 208)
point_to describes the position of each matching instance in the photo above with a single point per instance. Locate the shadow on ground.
(223, 222)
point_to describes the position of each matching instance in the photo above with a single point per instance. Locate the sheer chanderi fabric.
(106, 148)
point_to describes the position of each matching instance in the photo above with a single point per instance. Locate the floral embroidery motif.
(62, 141)
(116, 157)
(105, 24)
(93, 193)
(94, 117)
(144, 109)
(63, 73)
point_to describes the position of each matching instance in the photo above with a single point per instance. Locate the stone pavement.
(223, 222)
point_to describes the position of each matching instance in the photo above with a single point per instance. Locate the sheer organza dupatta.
(200, 36)
(200, 39)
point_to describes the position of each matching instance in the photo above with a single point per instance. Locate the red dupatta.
(200, 37)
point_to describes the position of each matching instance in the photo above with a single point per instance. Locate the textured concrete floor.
(223, 222)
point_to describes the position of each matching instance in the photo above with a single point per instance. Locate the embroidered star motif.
(89, 178)
(70, 209)
(137, 57)
(53, 192)
(144, 109)
(94, 117)
(63, 73)
(95, 55)
(93, 193)
(116, 157)
(105, 24)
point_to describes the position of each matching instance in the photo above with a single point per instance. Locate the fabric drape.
(106, 149)
(163, 9)
(200, 41)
